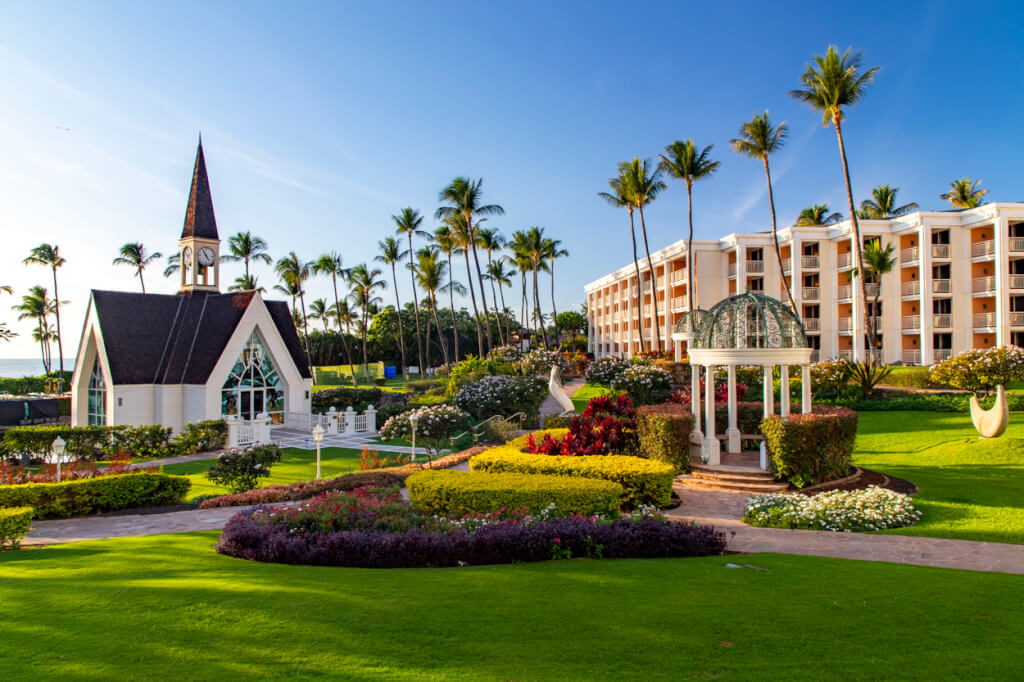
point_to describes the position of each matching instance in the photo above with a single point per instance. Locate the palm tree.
(319, 310)
(463, 196)
(622, 196)
(830, 83)
(448, 242)
(524, 264)
(134, 254)
(246, 283)
(533, 244)
(686, 161)
(877, 262)
(49, 255)
(37, 305)
(646, 185)
(759, 139)
(816, 215)
(456, 222)
(408, 222)
(431, 273)
(490, 240)
(391, 253)
(173, 264)
(965, 193)
(246, 248)
(294, 273)
(364, 282)
(5, 333)
(553, 251)
(882, 204)
(502, 277)
(332, 264)
(345, 317)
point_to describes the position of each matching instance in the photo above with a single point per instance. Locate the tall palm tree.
(448, 242)
(646, 185)
(319, 310)
(689, 163)
(295, 272)
(464, 195)
(5, 333)
(246, 248)
(524, 264)
(877, 262)
(818, 214)
(882, 204)
(291, 290)
(49, 255)
(173, 264)
(36, 305)
(246, 283)
(408, 222)
(331, 264)
(759, 139)
(135, 255)
(621, 195)
(391, 253)
(501, 276)
(345, 317)
(553, 251)
(830, 83)
(965, 193)
(431, 274)
(490, 240)
(456, 222)
(364, 284)
(533, 244)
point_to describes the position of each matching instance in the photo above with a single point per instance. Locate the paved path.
(129, 525)
(550, 406)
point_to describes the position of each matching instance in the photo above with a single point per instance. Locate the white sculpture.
(991, 423)
(557, 392)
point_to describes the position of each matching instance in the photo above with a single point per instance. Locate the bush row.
(445, 491)
(15, 523)
(248, 538)
(664, 434)
(343, 397)
(116, 441)
(502, 395)
(305, 489)
(91, 495)
(812, 448)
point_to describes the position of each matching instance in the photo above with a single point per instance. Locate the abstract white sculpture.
(557, 392)
(991, 423)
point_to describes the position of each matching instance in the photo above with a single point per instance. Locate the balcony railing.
(844, 293)
(1017, 281)
(986, 320)
(678, 302)
(732, 269)
(942, 321)
(845, 324)
(787, 265)
(815, 355)
(941, 354)
(912, 288)
(811, 324)
(871, 288)
(941, 286)
(911, 322)
(755, 267)
(810, 293)
(912, 357)
(983, 249)
(908, 256)
(678, 276)
(940, 251)
(809, 263)
(1017, 319)
(1016, 244)
(846, 354)
(843, 261)
(983, 285)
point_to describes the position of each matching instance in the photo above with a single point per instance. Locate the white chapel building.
(200, 354)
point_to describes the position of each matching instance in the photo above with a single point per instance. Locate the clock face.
(206, 256)
(186, 257)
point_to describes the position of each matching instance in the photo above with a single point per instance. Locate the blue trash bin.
(390, 372)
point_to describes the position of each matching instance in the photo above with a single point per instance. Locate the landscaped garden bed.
(870, 509)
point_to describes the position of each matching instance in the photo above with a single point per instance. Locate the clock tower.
(199, 246)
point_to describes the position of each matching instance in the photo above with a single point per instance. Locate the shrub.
(927, 403)
(15, 523)
(435, 426)
(117, 441)
(663, 432)
(306, 489)
(644, 384)
(49, 473)
(202, 436)
(981, 370)
(423, 385)
(829, 377)
(558, 421)
(504, 395)
(540, 361)
(865, 376)
(811, 448)
(444, 491)
(507, 354)
(92, 495)
(343, 397)
(643, 481)
(604, 371)
(870, 509)
(473, 369)
(138, 441)
(371, 459)
(911, 377)
(80, 441)
(241, 471)
(607, 426)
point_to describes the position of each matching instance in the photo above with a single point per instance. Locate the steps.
(732, 477)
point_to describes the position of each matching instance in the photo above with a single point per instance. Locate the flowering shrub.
(473, 369)
(116, 442)
(305, 489)
(507, 354)
(540, 361)
(644, 384)
(981, 370)
(830, 376)
(504, 395)
(811, 448)
(872, 508)
(14, 525)
(241, 471)
(606, 370)
(435, 426)
(608, 426)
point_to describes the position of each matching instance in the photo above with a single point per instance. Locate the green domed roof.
(689, 322)
(750, 320)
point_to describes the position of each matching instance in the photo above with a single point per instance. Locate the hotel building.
(958, 284)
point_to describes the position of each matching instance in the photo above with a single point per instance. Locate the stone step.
(732, 470)
(730, 476)
(732, 485)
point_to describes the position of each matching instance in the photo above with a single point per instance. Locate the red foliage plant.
(608, 426)
(11, 474)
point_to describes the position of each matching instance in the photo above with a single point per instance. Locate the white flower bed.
(606, 370)
(872, 508)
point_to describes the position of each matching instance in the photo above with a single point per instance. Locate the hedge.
(812, 448)
(342, 397)
(664, 433)
(538, 435)
(14, 525)
(305, 489)
(114, 441)
(643, 481)
(100, 494)
(444, 491)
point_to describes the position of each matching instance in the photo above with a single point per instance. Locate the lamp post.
(413, 418)
(318, 436)
(57, 446)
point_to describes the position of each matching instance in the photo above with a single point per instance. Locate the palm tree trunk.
(494, 297)
(416, 312)
(437, 323)
(508, 330)
(639, 284)
(342, 332)
(142, 281)
(56, 310)
(554, 310)
(524, 311)
(775, 238)
(398, 310)
(689, 249)
(427, 341)
(366, 369)
(451, 305)
(654, 281)
(42, 346)
(480, 278)
(858, 250)
(536, 306)
(476, 313)
(305, 325)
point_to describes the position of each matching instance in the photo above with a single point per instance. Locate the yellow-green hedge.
(444, 491)
(644, 481)
(14, 525)
(538, 436)
(99, 494)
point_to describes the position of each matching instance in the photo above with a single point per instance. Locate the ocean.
(15, 368)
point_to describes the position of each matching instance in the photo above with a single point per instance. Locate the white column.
(769, 391)
(629, 316)
(805, 385)
(263, 426)
(332, 421)
(732, 433)
(695, 434)
(784, 390)
(892, 310)
(232, 422)
(924, 274)
(741, 268)
(795, 273)
(371, 419)
(1001, 241)
(857, 309)
(350, 420)
(711, 446)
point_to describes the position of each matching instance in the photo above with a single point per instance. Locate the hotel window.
(97, 404)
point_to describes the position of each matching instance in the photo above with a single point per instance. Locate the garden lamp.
(318, 436)
(413, 418)
(57, 446)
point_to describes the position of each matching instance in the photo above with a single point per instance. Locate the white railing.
(661, 281)
(846, 354)
(298, 420)
(810, 293)
(815, 355)
(911, 322)
(243, 433)
(732, 269)
(909, 255)
(912, 357)
(942, 286)
(787, 265)
(985, 320)
(940, 251)
(871, 288)
(811, 324)
(755, 267)
(844, 292)
(1017, 281)
(983, 285)
(983, 249)
(845, 324)
(941, 354)
(1017, 319)
(247, 433)
(678, 302)
(678, 276)
(360, 423)
(844, 261)
(1016, 244)
(912, 288)
(942, 321)
(809, 262)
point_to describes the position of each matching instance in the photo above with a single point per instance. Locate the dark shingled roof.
(199, 219)
(165, 339)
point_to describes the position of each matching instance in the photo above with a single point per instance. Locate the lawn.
(971, 489)
(393, 385)
(168, 607)
(585, 393)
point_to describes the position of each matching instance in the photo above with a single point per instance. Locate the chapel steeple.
(199, 246)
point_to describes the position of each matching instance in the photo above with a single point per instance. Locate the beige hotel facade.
(958, 284)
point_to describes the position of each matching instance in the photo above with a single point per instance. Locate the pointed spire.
(199, 219)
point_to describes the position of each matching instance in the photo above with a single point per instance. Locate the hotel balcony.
(815, 355)
(809, 263)
(983, 285)
(909, 257)
(810, 293)
(1016, 245)
(846, 354)
(940, 252)
(985, 321)
(679, 276)
(911, 323)
(844, 261)
(983, 250)
(732, 270)
(811, 324)
(941, 354)
(845, 325)
(942, 286)
(678, 302)
(1017, 319)
(1016, 282)
(787, 266)
(844, 293)
(942, 321)
(911, 357)
(871, 288)
(911, 289)
(755, 267)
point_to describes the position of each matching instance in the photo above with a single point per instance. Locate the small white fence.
(242, 433)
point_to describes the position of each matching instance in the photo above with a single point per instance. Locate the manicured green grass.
(393, 385)
(295, 465)
(168, 607)
(585, 393)
(971, 489)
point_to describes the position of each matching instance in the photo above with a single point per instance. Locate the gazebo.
(743, 330)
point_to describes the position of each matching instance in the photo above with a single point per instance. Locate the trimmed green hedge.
(812, 448)
(538, 435)
(113, 441)
(99, 494)
(443, 491)
(643, 481)
(664, 433)
(342, 397)
(15, 523)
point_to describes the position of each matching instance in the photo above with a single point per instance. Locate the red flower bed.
(608, 426)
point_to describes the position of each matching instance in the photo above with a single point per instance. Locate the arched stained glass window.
(97, 396)
(254, 385)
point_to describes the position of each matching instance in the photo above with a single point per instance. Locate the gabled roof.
(199, 219)
(166, 339)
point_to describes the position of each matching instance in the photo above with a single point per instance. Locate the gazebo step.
(750, 477)
(732, 485)
(732, 469)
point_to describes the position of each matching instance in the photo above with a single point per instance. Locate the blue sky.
(320, 120)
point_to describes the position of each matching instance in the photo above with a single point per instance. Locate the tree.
(345, 317)
(688, 162)
(390, 254)
(448, 242)
(524, 264)
(5, 333)
(456, 222)
(331, 264)
(571, 321)
(759, 139)
(830, 84)
(37, 305)
(319, 310)
(408, 222)
(431, 274)
(173, 264)
(622, 196)
(294, 272)
(965, 193)
(531, 243)
(882, 204)
(464, 196)
(501, 276)
(246, 248)
(553, 251)
(877, 262)
(816, 215)
(246, 283)
(364, 283)
(49, 255)
(134, 254)
(490, 240)
(646, 186)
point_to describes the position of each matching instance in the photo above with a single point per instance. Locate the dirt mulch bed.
(868, 478)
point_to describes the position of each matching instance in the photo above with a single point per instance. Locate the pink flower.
(558, 539)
